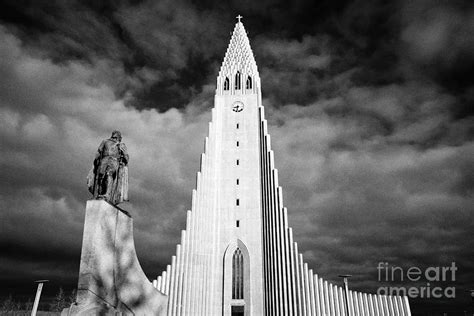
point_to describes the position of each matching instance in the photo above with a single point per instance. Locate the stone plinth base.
(111, 281)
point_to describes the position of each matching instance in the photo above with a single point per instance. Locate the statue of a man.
(108, 178)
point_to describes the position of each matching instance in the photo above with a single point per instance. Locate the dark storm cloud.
(182, 41)
(369, 105)
(438, 37)
(385, 181)
(164, 56)
(299, 66)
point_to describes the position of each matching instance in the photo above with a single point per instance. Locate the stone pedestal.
(111, 281)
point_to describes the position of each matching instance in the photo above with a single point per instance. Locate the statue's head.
(116, 135)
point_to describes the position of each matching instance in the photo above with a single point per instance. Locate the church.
(237, 255)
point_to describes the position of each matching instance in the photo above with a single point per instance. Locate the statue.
(108, 178)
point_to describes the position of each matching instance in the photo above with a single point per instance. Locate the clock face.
(238, 107)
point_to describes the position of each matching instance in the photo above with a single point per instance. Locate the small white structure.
(237, 255)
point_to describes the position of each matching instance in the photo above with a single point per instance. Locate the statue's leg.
(102, 179)
(111, 176)
(100, 185)
(110, 185)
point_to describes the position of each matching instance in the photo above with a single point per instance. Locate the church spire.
(238, 72)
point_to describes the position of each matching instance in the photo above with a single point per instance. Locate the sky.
(370, 109)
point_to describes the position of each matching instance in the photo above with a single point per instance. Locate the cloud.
(168, 31)
(440, 34)
(153, 54)
(309, 53)
(436, 42)
(365, 181)
(178, 40)
(295, 71)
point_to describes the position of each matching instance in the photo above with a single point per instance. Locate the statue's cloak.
(91, 182)
(120, 194)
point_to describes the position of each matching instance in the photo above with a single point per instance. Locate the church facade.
(237, 255)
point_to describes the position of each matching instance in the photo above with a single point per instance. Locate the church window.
(248, 84)
(237, 275)
(226, 83)
(237, 80)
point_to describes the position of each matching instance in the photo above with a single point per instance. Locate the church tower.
(237, 255)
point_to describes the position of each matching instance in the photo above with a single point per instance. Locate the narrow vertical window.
(237, 223)
(237, 202)
(237, 162)
(226, 83)
(237, 80)
(238, 275)
(237, 181)
(237, 143)
(237, 125)
(248, 84)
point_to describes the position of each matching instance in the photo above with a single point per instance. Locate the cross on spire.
(239, 17)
